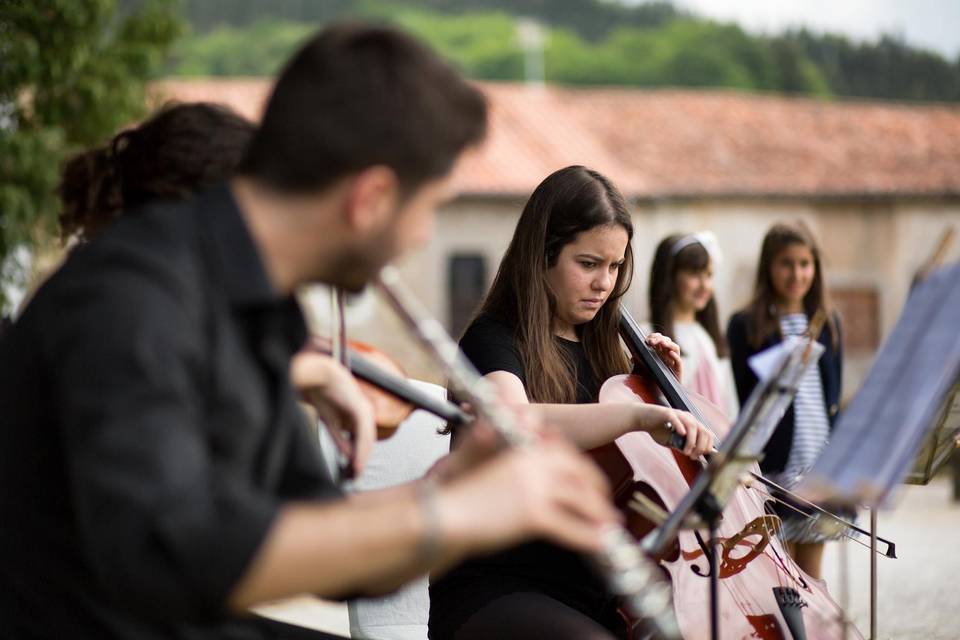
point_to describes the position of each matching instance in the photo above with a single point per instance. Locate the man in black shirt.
(156, 476)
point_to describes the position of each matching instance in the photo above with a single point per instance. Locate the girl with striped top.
(789, 291)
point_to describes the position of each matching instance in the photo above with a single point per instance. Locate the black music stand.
(905, 419)
(780, 370)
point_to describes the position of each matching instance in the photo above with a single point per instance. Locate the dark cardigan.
(778, 448)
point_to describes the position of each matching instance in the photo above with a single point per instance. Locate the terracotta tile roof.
(662, 143)
(247, 96)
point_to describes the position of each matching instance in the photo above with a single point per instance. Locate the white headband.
(705, 238)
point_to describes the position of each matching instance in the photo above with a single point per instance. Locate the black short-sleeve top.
(490, 346)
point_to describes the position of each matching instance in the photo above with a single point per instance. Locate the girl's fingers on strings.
(668, 351)
(704, 442)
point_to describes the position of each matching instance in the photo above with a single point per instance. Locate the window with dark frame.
(466, 286)
(859, 309)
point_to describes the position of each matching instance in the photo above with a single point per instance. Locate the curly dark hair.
(178, 151)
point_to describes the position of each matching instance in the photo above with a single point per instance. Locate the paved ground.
(918, 595)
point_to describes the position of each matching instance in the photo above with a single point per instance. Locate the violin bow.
(338, 348)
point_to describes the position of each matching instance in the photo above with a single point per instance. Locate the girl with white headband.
(683, 307)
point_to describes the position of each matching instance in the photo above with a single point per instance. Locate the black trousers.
(276, 630)
(483, 611)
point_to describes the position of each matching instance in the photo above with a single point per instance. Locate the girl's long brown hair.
(663, 285)
(762, 310)
(567, 203)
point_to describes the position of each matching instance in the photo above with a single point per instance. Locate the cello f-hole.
(697, 569)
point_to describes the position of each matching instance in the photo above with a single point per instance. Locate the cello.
(762, 592)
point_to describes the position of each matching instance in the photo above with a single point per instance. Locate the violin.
(380, 378)
(385, 384)
(762, 592)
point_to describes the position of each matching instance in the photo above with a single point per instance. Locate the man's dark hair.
(357, 96)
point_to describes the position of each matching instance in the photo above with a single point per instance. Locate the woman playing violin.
(547, 334)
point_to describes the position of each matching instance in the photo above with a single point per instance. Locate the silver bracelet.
(429, 545)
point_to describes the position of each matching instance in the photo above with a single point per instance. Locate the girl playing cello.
(547, 334)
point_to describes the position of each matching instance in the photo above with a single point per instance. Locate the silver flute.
(629, 573)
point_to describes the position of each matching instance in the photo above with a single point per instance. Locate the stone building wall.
(871, 249)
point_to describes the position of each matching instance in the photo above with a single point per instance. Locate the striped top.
(811, 427)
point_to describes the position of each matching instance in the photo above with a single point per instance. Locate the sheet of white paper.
(766, 363)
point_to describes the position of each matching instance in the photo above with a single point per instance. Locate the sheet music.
(768, 362)
(878, 436)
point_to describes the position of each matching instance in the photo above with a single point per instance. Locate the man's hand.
(331, 389)
(488, 499)
(478, 442)
(550, 490)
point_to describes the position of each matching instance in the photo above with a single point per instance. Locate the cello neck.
(650, 364)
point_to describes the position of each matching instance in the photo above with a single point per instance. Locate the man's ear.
(371, 198)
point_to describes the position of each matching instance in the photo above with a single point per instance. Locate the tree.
(72, 72)
(888, 68)
(226, 50)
